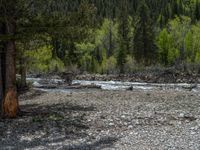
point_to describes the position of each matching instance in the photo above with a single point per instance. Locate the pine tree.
(197, 10)
(144, 46)
(8, 75)
(123, 34)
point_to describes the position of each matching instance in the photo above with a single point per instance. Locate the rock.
(111, 124)
(182, 115)
(1, 124)
(68, 77)
(130, 127)
(194, 128)
(130, 88)
(125, 123)
(123, 116)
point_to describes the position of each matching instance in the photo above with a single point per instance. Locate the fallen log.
(82, 87)
(47, 87)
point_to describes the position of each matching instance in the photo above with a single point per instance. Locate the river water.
(38, 83)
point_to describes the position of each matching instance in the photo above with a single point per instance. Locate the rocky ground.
(166, 76)
(159, 75)
(135, 120)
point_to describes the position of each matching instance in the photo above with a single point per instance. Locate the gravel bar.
(108, 120)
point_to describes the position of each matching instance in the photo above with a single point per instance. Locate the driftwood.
(83, 87)
(77, 86)
(190, 87)
(48, 87)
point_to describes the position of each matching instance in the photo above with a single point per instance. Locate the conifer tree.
(144, 46)
(123, 34)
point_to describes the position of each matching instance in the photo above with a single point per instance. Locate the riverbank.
(147, 77)
(105, 120)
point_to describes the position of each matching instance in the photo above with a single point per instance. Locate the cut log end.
(10, 104)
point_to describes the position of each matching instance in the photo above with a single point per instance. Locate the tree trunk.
(10, 59)
(23, 73)
(10, 104)
(2, 68)
(1, 82)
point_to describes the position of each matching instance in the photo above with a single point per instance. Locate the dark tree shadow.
(30, 94)
(104, 142)
(50, 127)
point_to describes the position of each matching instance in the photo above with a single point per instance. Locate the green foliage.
(85, 50)
(179, 41)
(40, 60)
(96, 52)
(104, 36)
(130, 64)
(55, 64)
(167, 51)
(107, 36)
(121, 58)
(111, 65)
(192, 44)
(144, 44)
(179, 27)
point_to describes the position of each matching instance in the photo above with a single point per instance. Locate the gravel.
(135, 120)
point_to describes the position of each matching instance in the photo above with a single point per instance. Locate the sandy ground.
(135, 120)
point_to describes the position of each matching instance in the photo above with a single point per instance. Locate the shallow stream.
(39, 83)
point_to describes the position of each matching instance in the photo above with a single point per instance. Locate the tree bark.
(10, 103)
(2, 68)
(10, 58)
(1, 81)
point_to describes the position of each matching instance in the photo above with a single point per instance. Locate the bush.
(111, 65)
(130, 64)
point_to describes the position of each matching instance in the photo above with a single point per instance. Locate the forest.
(115, 36)
(100, 36)
(96, 36)
(107, 38)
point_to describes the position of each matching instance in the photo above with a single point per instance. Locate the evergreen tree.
(197, 10)
(123, 34)
(144, 46)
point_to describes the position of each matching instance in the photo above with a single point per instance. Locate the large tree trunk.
(2, 68)
(10, 57)
(2, 77)
(10, 104)
(1, 82)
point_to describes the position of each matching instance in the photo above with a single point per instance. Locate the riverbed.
(105, 119)
(39, 83)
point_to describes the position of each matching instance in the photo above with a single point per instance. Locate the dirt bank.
(149, 77)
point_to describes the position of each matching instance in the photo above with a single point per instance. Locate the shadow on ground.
(29, 95)
(61, 126)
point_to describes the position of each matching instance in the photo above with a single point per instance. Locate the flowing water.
(39, 83)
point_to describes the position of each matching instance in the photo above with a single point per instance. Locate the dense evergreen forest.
(96, 36)
(107, 36)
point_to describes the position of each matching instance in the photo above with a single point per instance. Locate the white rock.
(130, 127)
(182, 115)
(192, 133)
(123, 116)
(111, 124)
(125, 123)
